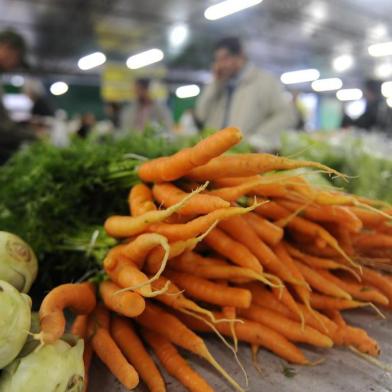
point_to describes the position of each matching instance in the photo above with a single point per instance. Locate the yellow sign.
(117, 82)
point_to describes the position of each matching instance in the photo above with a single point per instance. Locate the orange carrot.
(249, 165)
(373, 240)
(207, 291)
(176, 166)
(318, 282)
(128, 226)
(176, 232)
(357, 290)
(125, 303)
(79, 297)
(109, 353)
(194, 264)
(319, 301)
(266, 230)
(174, 330)
(254, 333)
(140, 200)
(379, 281)
(175, 365)
(233, 250)
(79, 328)
(286, 327)
(133, 348)
(168, 195)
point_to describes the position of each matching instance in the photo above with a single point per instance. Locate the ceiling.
(280, 35)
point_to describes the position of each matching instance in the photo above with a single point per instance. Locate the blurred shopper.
(113, 112)
(35, 90)
(12, 56)
(87, 123)
(145, 110)
(244, 96)
(376, 115)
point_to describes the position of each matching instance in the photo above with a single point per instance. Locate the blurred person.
(12, 56)
(244, 96)
(112, 112)
(145, 110)
(35, 90)
(376, 111)
(299, 109)
(87, 123)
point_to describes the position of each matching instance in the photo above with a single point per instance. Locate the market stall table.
(342, 371)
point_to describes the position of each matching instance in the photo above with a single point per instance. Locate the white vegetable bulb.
(54, 367)
(18, 264)
(15, 319)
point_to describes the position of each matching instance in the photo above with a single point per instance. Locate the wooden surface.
(342, 370)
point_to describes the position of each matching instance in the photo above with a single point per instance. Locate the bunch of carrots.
(234, 246)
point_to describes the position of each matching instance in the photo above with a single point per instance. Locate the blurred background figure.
(376, 115)
(299, 109)
(113, 112)
(35, 90)
(145, 110)
(244, 96)
(12, 56)
(87, 123)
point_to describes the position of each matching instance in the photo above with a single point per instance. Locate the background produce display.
(366, 157)
(238, 246)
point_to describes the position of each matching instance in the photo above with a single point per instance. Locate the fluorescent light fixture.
(178, 35)
(318, 11)
(349, 94)
(329, 84)
(386, 89)
(91, 61)
(188, 91)
(383, 70)
(379, 50)
(228, 7)
(143, 59)
(58, 88)
(301, 76)
(17, 80)
(389, 102)
(379, 31)
(343, 62)
(356, 108)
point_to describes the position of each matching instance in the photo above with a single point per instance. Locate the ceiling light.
(58, 88)
(389, 102)
(343, 62)
(228, 7)
(386, 89)
(383, 71)
(188, 91)
(379, 31)
(91, 61)
(301, 76)
(145, 58)
(178, 35)
(329, 84)
(349, 94)
(379, 50)
(318, 11)
(17, 80)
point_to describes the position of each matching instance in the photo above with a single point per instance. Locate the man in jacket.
(12, 52)
(244, 96)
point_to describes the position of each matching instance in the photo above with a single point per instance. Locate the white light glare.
(383, 71)
(342, 63)
(143, 59)
(329, 84)
(178, 35)
(17, 80)
(188, 91)
(228, 7)
(91, 61)
(59, 88)
(349, 94)
(301, 76)
(389, 102)
(386, 89)
(379, 50)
